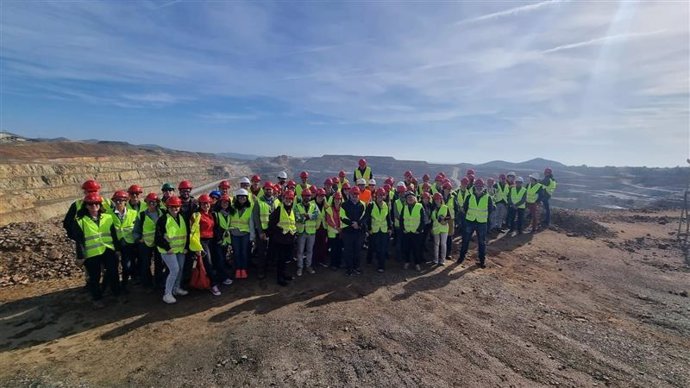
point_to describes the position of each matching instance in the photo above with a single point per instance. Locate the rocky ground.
(599, 300)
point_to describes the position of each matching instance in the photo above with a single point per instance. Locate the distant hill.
(235, 155)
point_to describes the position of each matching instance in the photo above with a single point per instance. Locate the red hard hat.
(277, 188)
(185, 184)
(291, 183)
(268, 185)
(401, 189)
(465, 181)
(447, 186)
(490, 181)
(135, 189)
(346, 186)
(204, 198)
(320, 193)
(225, 197)
(173, 200)
(337, 195)
(479, 182)
(446, 180)
(335, 180)
(470, 176)
(90, 186)
(151, 197)
(328, 182)
(224, 184)
(355, 191)
(426, 177)
(120, 194)
(439, 177)
(312, 189)
(381, 191)
(93, 197)
(442, 174)
(502, 177)
(341, 174)
(289, 194)
(408, 173)
(362, 162)
(547, 170)
(256, 178)
(470, 172)
(389, 181)
(426, 195)
(306, 193)
(387, 187)
(304, 175)
(438, 196)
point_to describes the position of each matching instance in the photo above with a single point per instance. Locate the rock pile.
(574, 224)
(31, 251)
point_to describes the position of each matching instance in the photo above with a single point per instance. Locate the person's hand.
(262, 236)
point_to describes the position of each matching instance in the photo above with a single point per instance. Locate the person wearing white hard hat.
(241, 231)
(534, 189)
(364, 193)
(282, 181)
(516, 206)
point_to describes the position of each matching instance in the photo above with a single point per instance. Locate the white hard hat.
(372, 181)
(519, 179)
(361, 181)
(401, 183)
(282, 175)
(512, 173)
(239, 192)
(534, 176)
(244, 179)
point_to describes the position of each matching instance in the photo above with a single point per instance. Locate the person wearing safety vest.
(97, 239)
(321, 237)
(364, 193)
(342, 179)
(534, 190)
(501, 190)
(461, 194)
(282, 226)
(134, 201)
(255, 188)
(203, 222)
(363, 171)
(426, 220)
(412, 224)
(397, 205)
(224, 187)
(354, 222)
(144, 233)
(334, 227)
(241, 231)
(477, 209)
(263, 208)
(304, 185)
(517, 196)
(172, 241)
(450, 200)
(167, 190)
(69, 222)
(380, 229)
(549, 184)
(441, 220)
(307, 217)
(123, 220)
(222, 238)
(282, 181)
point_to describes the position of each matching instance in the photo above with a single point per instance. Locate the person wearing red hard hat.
(264, 206)
(412, 225)
(397, 204)
(380, 229)
(123, 220)
(282, 226)
(203, 227)
(477, 209)
(306, 216)
(426, 220)
(97, 239)
(189, 203)
(241, 232)
(222, 238)
(363, 171)
(69, 224)
(172, 241)
(549, 185)
(144, 233)
(502, 190)
(321, 236)
(517, 198)
(441, 219)
(255, 188)
(134, 202)
(354, 221)
(303, 185)
(334, 229)
(224, 187)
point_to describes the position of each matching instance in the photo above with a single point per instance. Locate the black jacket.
(160, 240)
(354, 212)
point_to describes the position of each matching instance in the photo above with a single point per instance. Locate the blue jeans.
(470, 228)
(547, 211)
(240, 248)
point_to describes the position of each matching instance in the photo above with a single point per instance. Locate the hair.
(85, 212)
(235, 206)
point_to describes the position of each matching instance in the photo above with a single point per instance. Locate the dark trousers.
(262, 256)
(207, 255)
(128, 253)
(146, 255)
(425, 237)
(110, 281)
(220, 263)
(379, 247)
(547, 211)
(240, 249)
(533, 208)
(470, 228)
(320, 246)
(397, 240)
(412, 247)
(189, 260)
(352, 244)
(336, 247)
(282, 253)
(512, 224)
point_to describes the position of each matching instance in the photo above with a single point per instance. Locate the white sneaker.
(180, 292)
(169, 299)
(441, 263)
(215, 291)
(299, 271)
(311, 270)
(227, 282)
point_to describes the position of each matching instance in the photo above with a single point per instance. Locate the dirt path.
(549, 310)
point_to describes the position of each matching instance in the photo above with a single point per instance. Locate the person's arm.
(366, 218)
(116, 243)
(68, 221)
(159, 237)
(138, 230)
(422, 215)
(346, 221)
(522, 200)
(466, 204)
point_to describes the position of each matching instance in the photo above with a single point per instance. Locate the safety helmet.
(490, 181)
(135, 189)
(240, 192)
(389, 181)
(173, 200)
(282, 175)
(439, 177)
(320, 192)
(289, 195)
(167, 187)
(465, 181)
(372, 181)
(387, 187)
(438, 196)
(341, 174)
(120, 195)
(244, 180)
(381, 191)
(401, 189)
(346, 186)
(426, 195)
(547, 171)
(470, 171)
(362, 163)
(361, 181)
(355, 191)
(479, 182)
(328, 182)
(335, 180)
(150, 197)
(225, 197)
(92, 197)
(410, 193)
(224, 184)
(519, 180)
(447, 186)
(256, 178)
(306, 193)
(534, 176)
(512, 173)
(215, 194)
(426, 186)
(268, 185)
(304, 175)
(502, 177)
(291, 184)
(90, 186)
(185, 185)
(408, 174)
(338, 195)
(204, 198)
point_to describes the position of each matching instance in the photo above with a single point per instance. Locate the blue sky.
(599, 83)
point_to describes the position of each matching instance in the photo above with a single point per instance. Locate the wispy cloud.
(603, 39)
(220, 117)
(510, 12)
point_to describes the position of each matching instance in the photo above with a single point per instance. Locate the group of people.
(121, 238)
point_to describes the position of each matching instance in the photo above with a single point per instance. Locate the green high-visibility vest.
(125, 226)
(332, 232)
(308, 226)
(437, 227)
(366, 175)
(287, 220)
(551, 187)
(412, 219)
(141, 207)
(241, 221)
(478, 211)
(533, 192)
(398, 209)
(148, 228)
(176, 233)
(450, 202)
(265, 210)
(501, 194)
(517, 195)
(299, 189)
(379, 218)
(223, 222)
(97, 237)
